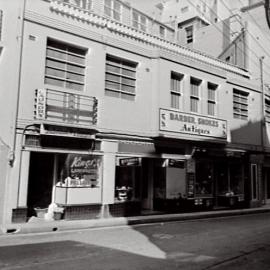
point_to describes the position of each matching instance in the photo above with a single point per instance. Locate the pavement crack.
(231, 259)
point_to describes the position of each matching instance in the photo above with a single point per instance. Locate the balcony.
(65, 109)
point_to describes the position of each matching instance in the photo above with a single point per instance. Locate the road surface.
(241, 242)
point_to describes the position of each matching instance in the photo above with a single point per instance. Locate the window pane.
(211, 108)
(112, 69)
(127, 88)
(128, 73)
(54, 63)
(112, 85)
(175, 101)
(107, 11)
(112, 93)
(114, 78)
(54, 82)
(76, 59)
(56, 54)
(128, 81)
(194, 105)
(116, 15)
(74, 86)
(55, 72)
(127, 96)
(75, 77)
(117, 6)
(75, 69)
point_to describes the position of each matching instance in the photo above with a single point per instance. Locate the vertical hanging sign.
(41, 96)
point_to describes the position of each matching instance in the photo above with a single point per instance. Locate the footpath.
(42, 226)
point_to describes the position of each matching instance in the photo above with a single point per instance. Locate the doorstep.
(41, 226)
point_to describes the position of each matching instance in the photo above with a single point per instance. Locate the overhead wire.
(240, 49)
(253, 19)
(248, 32)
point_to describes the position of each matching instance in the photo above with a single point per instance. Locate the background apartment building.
(104, 114)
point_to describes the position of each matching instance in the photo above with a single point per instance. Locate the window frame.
(120, 79)
(189, 34)
(176, 81)
(195, 97)
(138, 23)
(113, 10)
(58, 60)
(162, 34)
(211, 98)
(240, 104)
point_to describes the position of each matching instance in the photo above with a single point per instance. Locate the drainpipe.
(17, 97)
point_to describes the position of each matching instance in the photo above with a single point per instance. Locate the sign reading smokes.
(191, 124)
(132, 161)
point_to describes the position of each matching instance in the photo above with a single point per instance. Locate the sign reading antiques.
(192, 124)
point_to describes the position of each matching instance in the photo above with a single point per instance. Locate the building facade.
(105, 115)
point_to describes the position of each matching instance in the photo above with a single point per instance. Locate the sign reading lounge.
(192, 124)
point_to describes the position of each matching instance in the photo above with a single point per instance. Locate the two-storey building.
(103, 114)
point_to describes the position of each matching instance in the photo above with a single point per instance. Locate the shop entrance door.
(40, 181)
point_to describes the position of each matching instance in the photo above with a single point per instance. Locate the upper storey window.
(194, 94)
(120, 78)
(112, 9)
(175, 89)
(65, 65)
(189, 34)
(211, 100)
(84, 4)
(240, 104)
(162, 31)
(139, 21)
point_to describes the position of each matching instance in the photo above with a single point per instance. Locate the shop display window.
(128, 183)
(76, 170)
(204, 179)
(230, 180)
(236, 179)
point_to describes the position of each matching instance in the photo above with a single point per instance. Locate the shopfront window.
(236, 179)
(204, 178)
(76, 170)
(230, 180)
(128, 179)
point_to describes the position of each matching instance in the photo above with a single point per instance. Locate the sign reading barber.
(192, 124)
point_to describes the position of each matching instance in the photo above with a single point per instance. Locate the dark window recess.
(67, 143)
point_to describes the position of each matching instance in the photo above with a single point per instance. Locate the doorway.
(267, 184)
(40, 183)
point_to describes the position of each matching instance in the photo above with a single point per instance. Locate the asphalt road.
(241, 242)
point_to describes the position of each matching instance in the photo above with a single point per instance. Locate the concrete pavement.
(42, 226)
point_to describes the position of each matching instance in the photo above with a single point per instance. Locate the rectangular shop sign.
(84, 165)
(176, 163)
(191, 124)
(132, 161)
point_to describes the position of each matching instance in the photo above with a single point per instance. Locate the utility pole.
(261, 183)
(263, 102)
